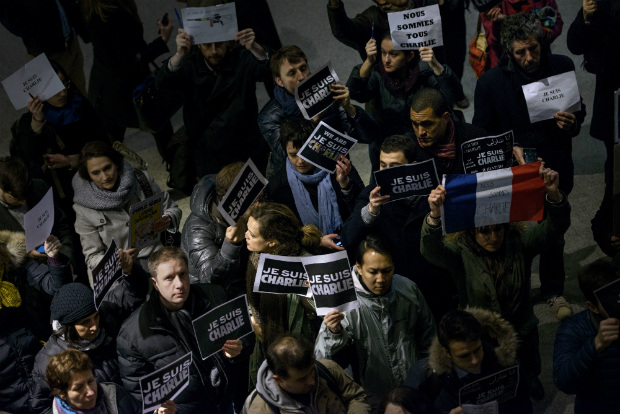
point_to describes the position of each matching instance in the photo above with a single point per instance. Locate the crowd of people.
(435, 312)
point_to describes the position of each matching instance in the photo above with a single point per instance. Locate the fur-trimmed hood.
(495, 330)
(12, 249)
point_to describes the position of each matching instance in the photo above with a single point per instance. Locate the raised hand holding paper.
(314, 95)
(144, 214)
(211, 24)
(407, 180)
(416, 28)
(280, 275)
(487, 153)
(39, 221)
(246, 188)
(36, 77)
(548, 96)
(324, 146)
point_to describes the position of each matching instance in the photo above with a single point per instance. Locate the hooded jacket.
(212, 259)
(349, 398)
(436, 377)
(389, 333)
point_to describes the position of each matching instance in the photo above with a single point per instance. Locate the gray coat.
(389, 333)
(97, 228)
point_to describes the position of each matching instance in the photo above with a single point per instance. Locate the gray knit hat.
(72, 303)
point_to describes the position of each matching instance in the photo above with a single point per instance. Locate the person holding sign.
(500, 256)
(315, 196)
(218, 82)
(524, 62)
(586, 354)
(471, 344)
(79, 325)
(392, 328)
(161, 331)
(392, 81)
(274, 229)
(105, 187)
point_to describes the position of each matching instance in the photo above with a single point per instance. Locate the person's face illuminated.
(428, 127)
(214, 53)
(391, 159)
(254, 240)
(292, 74)
(297, 162)
(88, 327)
(466, 355)
(103, 172)
(172, 283)
(393, 60)
(298, 381)
(377, 272)
(82, 392)
(526, 54)
(490, 238)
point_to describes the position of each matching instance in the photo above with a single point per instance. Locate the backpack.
(323, 373)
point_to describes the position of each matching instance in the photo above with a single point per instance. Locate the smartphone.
(337, 241)
(164, 21)
(530, 155)
(41, 249)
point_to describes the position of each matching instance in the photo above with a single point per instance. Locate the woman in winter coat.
(105, 188)
(79, 325)
(491, 265)
(76, 390)
(21, 313)
(274, 229)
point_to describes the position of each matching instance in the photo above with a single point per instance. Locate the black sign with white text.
(230, 320)
(247, 186)
(499, 387)
(324, 147)
(107, 271)
(313, 95)
(280, 275)
(487, 153)
(165, 384)
(408, 180)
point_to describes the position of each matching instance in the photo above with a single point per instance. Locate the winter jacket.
(117, 400)
(361, 127)
(97, 228)
(579, 369)
(501, 112)
(389, 333)
(600, 59)
(400, 223)
(349, 398)
(436, 377)
(212, 259)
(510, 7)
(116, 306)
(219, 108)
(474, 282)
(148, 341)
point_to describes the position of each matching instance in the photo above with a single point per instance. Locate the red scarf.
(446, 152)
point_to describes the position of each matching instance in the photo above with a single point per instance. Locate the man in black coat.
(500, 106)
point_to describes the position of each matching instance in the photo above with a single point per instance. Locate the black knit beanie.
(72, 303)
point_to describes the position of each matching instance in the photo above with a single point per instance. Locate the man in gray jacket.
(392, 328)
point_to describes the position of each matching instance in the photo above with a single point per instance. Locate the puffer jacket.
(579, 369)
(348, 398)
(436, 377)
(212, 259)
(389, 333)
(148, 341)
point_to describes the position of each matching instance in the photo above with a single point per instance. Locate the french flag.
(492, 197)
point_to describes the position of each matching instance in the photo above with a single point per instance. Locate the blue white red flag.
(492, 197)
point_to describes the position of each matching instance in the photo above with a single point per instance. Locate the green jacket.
(472, 277)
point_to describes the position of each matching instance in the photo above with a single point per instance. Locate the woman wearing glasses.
(491, 265)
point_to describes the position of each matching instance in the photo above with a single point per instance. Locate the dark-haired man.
(525, 61)
(290, 380)
(459, 355)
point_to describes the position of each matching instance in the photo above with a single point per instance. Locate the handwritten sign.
(408, 180)
(165, 384)
(211, 24)
(331, 282)
(36, 77)
(230, 320)
(324, 146)
(280, 275)
(314, 95)
(546, 97)
(487, 153)
(246, 188)
(39, 221)
(485, 5)
(416, 28)
(609, 298)
(500, 386)
(144, 214)
(107, 271)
